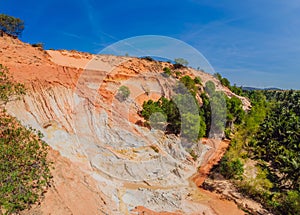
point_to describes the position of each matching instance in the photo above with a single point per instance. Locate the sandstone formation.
(104, 162)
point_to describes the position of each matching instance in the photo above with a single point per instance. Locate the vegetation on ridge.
(25, 172)
(267, 136)
(185, 116)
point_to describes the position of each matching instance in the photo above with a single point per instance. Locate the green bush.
(224, 81)
(210, 88)
(189, 83)
(290, 203)
(25, 172)
(231, 168)
(8, 89)
(235, 112)
(167, 72)
(158, 120)
(123, 93)
(149, 108)
(193, 126)
(178, 74)
(197, 80)
(186, 86)
(167, 109)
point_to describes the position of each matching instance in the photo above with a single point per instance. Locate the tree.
(210, 88)
(235, 112)
(224, 81)
(231, 168)
(218, 114)
(11, 25)
(190, 126)
(181, 61)
(218, 76)
(150, 107)
(277, 141)
(197, 80)
(185, 86)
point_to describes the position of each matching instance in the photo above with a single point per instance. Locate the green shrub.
(185, 86)
(188, 83)
(9, 90)
(224, 81)
(290, 203)
(166, 108)
(25, 172)
(158, 120)
(123, 93)
(227, 133)
(210, 88)
(167, 72)
(178, 74)
(149, 108)
(197, 80)
(231, 168)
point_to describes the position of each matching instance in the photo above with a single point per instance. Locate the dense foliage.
(11, 25)
(269, 135)
(181, 111)
(225, 82)
(185, 116)
(24, 169)
(278, 140)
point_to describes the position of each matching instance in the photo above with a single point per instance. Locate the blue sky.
(252, 43)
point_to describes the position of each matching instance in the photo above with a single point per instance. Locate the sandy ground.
(212, 157)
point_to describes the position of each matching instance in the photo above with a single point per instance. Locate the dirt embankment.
(226, 190)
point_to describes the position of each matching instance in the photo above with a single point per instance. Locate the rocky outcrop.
(105, 163)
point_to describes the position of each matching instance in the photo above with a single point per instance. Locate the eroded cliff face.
(105, 162)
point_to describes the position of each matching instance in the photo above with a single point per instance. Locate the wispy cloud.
(72, 35)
